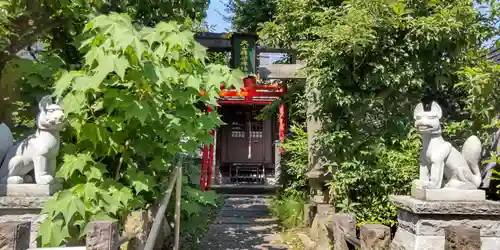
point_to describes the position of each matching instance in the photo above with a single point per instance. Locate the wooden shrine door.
(245, 136)
(255, 137)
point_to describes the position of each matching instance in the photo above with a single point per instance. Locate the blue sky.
(214, 15)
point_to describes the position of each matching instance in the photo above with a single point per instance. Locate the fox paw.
(44, 179)
(15, 180)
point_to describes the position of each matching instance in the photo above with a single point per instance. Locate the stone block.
(23, 209)
(446, 194)
(422, 224)
(375, 237)
(446, 207)
(14, 235)
(462, 238)
(307, 242)
(309, 213)
(321, 225)
(343, 224)
(103, 235)
(139, 223)
(28, 190)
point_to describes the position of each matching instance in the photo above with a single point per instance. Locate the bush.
(369, 63)
(363, 187)
(294, 163)
(289, 204)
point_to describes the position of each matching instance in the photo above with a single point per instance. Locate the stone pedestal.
(422, 223)
(319, 226)
(28, 190)
(19, 208)
(446, 194)
(24, 202)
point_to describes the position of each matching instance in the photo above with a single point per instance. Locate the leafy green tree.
(247, 15)
(373, 61)
(57, 24)
(22, 23)
(134, 105)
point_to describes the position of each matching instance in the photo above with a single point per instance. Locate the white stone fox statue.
(36, 153)
(442, 165)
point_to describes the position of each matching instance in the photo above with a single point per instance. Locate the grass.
(289, 210)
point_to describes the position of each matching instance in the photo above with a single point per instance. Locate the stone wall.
(340, 231)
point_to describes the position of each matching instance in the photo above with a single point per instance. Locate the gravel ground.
(243, 223)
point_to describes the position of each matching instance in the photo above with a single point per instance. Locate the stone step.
(245, 189)
(240, 237)
(246, 207)
(245, 220)
(244, 213)
(245, 202)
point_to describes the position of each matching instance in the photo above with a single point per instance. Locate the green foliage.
(28, 87)
(289, 210)
(195, 227)
(294, 163)
(364, 186)
(288, 206)
(44, 15)
(56, 25)
(218, 58)
(248, 15)
(481, 84)
(369, 62)
(132, 108)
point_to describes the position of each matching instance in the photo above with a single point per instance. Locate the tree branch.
(27, 28)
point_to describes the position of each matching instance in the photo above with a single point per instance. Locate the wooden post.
(462, 238)
(15, 235)
(375, 237)
(103, 235)
(343, 223)
(278, 174)
(178, 192)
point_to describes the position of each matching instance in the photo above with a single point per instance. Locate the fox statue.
(37, 153)
(441, 164)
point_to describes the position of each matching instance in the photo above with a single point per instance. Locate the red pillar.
(283, 117)
(203, 174)
(210, 164)
(207, 163)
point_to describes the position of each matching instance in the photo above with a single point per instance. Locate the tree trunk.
(3, 106)
(8, 92)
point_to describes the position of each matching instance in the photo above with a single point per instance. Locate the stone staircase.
(243, 223)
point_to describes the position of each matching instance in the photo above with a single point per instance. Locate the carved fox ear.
(44, 102)
(418, 109)
(436, 108)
